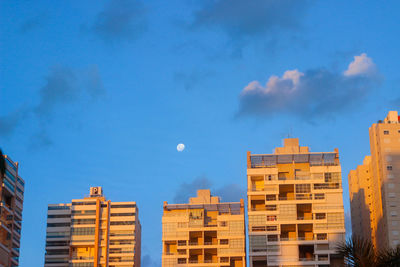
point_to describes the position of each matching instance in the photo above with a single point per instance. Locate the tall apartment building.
(204, 232)
(375, 186)
(361, 200)
(12, 197)
(295, 207)
(93, 232)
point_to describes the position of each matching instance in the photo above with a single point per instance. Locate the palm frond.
(357, 252)
(389, 257)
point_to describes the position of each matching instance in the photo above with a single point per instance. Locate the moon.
(180, 147)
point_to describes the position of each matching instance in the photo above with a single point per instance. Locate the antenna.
(290, 134)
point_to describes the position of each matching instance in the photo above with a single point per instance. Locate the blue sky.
(99, 93)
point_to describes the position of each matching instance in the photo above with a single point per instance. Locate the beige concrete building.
(295, 207)
(375, 186)
(204, 232)
(93, 232)
(361, 200)
(12, 198)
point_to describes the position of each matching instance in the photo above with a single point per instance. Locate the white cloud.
(361, 65)
(285, 84)
(311, 93)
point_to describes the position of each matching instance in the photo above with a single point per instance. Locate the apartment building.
(12, 198)
(93, 232)
(295, 207)
(361, 200)
(375, 192)
(204, 232)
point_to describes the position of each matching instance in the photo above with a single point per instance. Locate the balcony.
(315, 159)
(286, 192)
(81, 258)
(306, 253)
(288, 232)
(304, 212)
(305, 232)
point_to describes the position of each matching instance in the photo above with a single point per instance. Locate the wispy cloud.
(312, 93)
(187, 190)
(148, 261)
(231, 193)
(191, 79)
(241, 18)
(227, 193)
(9, 122)
(120, 20)
(33, 23)
(60, 88)
(63, 86)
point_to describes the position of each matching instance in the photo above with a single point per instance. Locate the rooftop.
(292, 152)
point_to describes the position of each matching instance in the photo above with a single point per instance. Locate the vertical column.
(108, 207)
(97, 233)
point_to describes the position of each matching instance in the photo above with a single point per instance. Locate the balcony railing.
(303, 218)
(307, 259)
(82, 258)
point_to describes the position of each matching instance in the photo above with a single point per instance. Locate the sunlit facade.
(204, 232)
(375, 186)
(295, 207)
(93, 232)
(12, 198)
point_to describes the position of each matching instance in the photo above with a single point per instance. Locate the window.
(59, 216)
(272, 238)
(389, 167)
(182, 261)
(123, 214)
(270, 197)
(122, 233)
(84, 212)
(10, 176)
(322, 236)
(385, 132)
(224, 242)
(84, 203)
(123, 223)
(83, 221)
(303, 188)
(58, 224)
(83, 231)
(123, 206)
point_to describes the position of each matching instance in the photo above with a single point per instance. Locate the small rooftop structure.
(392, 117)
(291, 146)
(204, 197)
